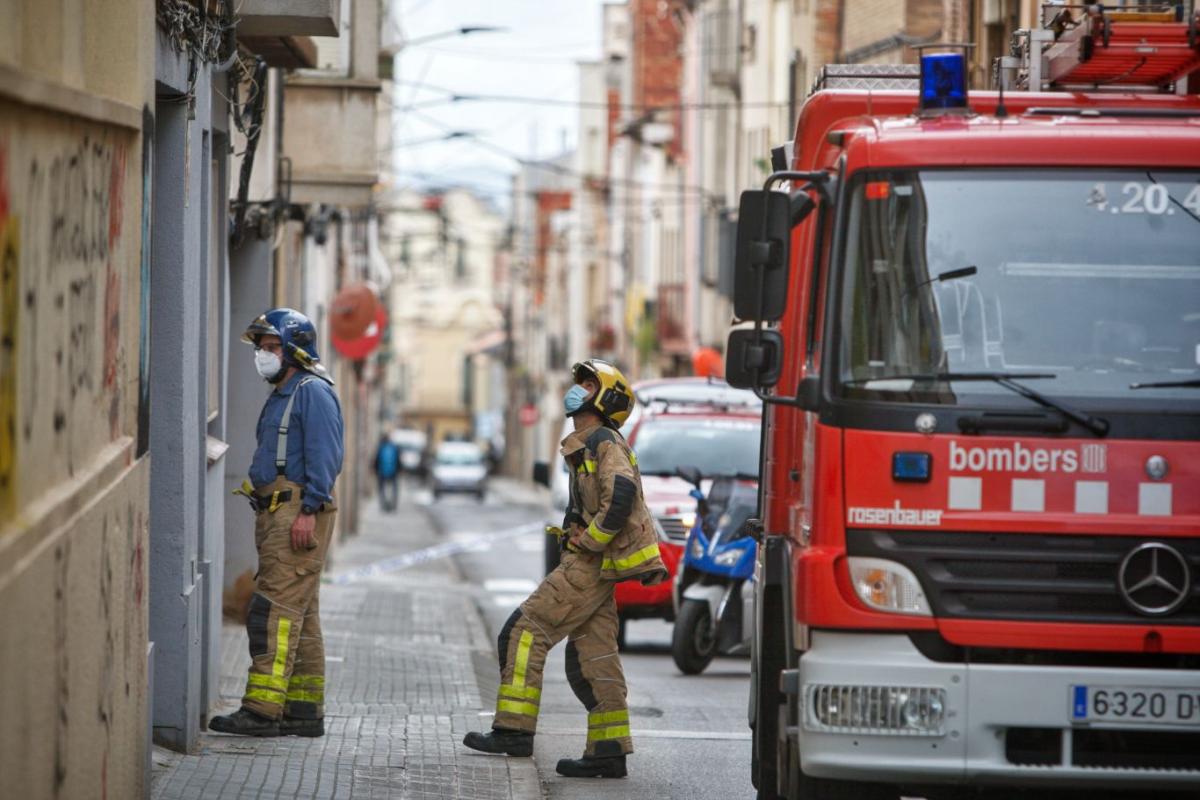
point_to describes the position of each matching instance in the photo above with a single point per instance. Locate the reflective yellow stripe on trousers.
(266, 691)
(307, 689)
(608, 725)
(518, 688)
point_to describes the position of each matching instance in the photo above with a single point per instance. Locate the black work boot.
(592, 767)
(295, 726)
(501, 740)
(244, 722)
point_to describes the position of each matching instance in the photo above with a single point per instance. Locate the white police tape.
(466, 543)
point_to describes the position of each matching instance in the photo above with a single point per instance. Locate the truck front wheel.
(803, 787)
(766, 664)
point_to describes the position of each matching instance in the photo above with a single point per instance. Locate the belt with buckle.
(271, 501)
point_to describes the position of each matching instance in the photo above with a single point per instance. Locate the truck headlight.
(887, 586)
(897, 710)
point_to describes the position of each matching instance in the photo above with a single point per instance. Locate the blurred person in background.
(387, 470)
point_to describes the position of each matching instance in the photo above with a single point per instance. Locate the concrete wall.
(73, 480)
(187, 319)
(336, 164)
(250, 295)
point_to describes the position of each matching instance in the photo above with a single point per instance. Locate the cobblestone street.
(403, 651)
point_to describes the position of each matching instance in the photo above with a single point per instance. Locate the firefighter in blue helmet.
(290, 489)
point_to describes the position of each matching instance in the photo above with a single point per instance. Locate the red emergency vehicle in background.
(716, 431)
(977, 332)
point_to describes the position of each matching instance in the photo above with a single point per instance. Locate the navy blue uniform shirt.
(314, 448)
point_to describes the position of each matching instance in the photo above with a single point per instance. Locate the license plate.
(1140, 705)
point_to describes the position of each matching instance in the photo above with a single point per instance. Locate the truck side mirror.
(541, 473)
(760, 277)
(808, 393)
(752, 362)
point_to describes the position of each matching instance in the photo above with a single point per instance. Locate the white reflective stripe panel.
(1154, 499)
(1091, 497)
(966, 494)
(1030, 495)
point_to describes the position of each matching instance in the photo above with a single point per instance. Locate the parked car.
(721, 440)
(459, 467)
(412, 445)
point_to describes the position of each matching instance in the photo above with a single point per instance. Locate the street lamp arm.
(465, 30)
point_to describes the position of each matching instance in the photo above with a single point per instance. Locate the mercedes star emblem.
(1156, 467)
(1154, 579)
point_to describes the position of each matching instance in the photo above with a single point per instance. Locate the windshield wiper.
(1192, 383)
(1008, 380)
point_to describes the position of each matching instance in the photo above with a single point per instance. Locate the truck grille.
(673, 527)
(1104, 748)
(1033, 577)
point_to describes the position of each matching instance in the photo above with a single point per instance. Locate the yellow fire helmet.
(615, 399)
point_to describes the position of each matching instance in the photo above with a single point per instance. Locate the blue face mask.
(574, 399)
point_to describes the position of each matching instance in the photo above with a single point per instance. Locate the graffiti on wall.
(67, 266)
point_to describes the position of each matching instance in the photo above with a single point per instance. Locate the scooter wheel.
(693, 644)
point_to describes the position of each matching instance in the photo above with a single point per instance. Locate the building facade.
(135, 249)
(445, 376)
(76, 91)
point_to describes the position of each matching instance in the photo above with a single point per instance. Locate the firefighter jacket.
(606, 498)
(313, 445)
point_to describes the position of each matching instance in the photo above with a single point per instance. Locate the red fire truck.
(977, 336)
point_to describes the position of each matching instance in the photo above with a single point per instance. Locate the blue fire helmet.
(297, 336)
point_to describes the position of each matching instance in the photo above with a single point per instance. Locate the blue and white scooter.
(714, 613)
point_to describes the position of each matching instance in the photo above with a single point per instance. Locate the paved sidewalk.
(406, 650)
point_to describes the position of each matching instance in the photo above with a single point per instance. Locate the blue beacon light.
(912, 467)
(943, 82)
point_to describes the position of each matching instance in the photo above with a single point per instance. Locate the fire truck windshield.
(1089, 276)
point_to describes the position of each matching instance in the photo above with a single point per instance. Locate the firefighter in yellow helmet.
(608, 536)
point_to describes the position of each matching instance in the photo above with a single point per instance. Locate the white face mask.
(267, 363)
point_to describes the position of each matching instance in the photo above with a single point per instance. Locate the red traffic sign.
(528, 415)
(361, 347)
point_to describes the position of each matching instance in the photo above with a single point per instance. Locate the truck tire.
(767, 663)
(798, 786)
(621, 633)
(822, 789)
(692, 642)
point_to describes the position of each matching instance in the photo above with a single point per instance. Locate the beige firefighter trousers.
(287, 670)
(572, 601)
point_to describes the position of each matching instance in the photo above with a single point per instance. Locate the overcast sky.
(535, 56)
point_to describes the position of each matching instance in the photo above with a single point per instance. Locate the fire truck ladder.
(1149, 47)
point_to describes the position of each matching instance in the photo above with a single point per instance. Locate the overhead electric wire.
(565, 171)
(453, 96)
